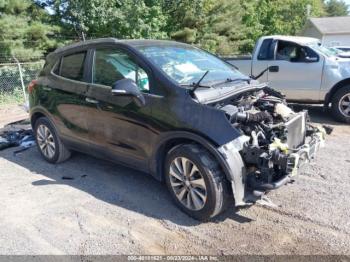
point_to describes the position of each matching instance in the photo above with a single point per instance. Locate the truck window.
(293, 52)
(286, 51)
(264, 52)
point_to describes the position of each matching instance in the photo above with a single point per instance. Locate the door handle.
(92, 101)
(274, 69)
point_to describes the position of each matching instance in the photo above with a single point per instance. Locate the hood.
(212, 95)
(344, 55)
(344, 66)
(339, 66)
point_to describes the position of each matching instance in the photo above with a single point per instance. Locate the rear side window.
(72, 66)
(57, 67)
(264, 52)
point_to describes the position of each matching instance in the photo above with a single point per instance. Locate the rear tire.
(48, 142)
(202, 191)
(341, 104)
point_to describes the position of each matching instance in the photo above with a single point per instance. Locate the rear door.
(299, 71)
(119, 128)
(66, 98)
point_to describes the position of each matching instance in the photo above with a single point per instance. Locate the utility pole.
(83, 35)
(308, 10)
(21, 78)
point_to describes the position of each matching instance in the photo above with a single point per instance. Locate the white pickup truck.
(303, 70)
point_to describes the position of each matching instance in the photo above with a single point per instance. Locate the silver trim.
(117, 91)
(91, 101)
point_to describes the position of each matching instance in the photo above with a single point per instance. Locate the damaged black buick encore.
(212, 134)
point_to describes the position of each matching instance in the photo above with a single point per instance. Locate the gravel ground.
(110, 209)
(11, 113)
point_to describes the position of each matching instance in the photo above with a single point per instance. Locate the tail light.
(31, 86)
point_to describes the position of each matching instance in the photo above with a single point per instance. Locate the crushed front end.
(274, 162)
(275, 141)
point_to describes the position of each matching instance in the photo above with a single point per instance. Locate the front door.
(119, 128)
(299, 72)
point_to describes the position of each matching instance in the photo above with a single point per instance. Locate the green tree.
(268, 17)
(213, 25)
(221, 26)
(337, 8)
(23, 33)
(100, 18)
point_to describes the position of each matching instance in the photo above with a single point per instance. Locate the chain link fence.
(14, 79)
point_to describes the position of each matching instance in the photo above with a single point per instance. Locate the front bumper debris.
(277, 168)
(264, 170)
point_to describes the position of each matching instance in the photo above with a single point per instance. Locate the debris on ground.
(17, 134)
(67, 178)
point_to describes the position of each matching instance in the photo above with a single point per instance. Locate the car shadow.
(112, 183)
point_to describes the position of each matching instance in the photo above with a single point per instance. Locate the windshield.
(324, 50)
(186, 64)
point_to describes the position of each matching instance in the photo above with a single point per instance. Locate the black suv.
(174, 111)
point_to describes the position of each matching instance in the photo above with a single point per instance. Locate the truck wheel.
(48, 142)
(196, 182)
(341, 104)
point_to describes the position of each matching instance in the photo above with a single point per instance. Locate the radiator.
(296, 130)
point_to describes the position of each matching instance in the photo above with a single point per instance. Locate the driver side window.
(293, 52)
(286, 51)
(111, 65)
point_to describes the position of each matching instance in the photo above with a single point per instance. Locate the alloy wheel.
(188, 183)
(46, 141)
(344, 105)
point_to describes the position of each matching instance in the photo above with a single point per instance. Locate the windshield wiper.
(229, 80)
(198, 83)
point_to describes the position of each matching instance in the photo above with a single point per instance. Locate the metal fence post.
(22, 82)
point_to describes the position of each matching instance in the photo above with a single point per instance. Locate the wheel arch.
(35, 116)
(334, 89)
(39, 112)
(178, 138)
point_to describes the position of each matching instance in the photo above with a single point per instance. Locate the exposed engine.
(264, 116)
(275, 135)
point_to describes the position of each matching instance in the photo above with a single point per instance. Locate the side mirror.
(274, 69)
(127, 87)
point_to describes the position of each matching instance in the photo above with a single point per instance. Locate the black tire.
(336, 100)
(61, 153)
(217, 190)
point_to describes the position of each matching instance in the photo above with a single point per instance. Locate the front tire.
(341, 104)
(196, 182)
(48, 142)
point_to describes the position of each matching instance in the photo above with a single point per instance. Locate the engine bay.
(264, 116)
(277, 139)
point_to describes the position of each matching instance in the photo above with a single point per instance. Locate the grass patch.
(14, 97)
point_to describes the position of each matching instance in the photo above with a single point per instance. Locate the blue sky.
(347, 2)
